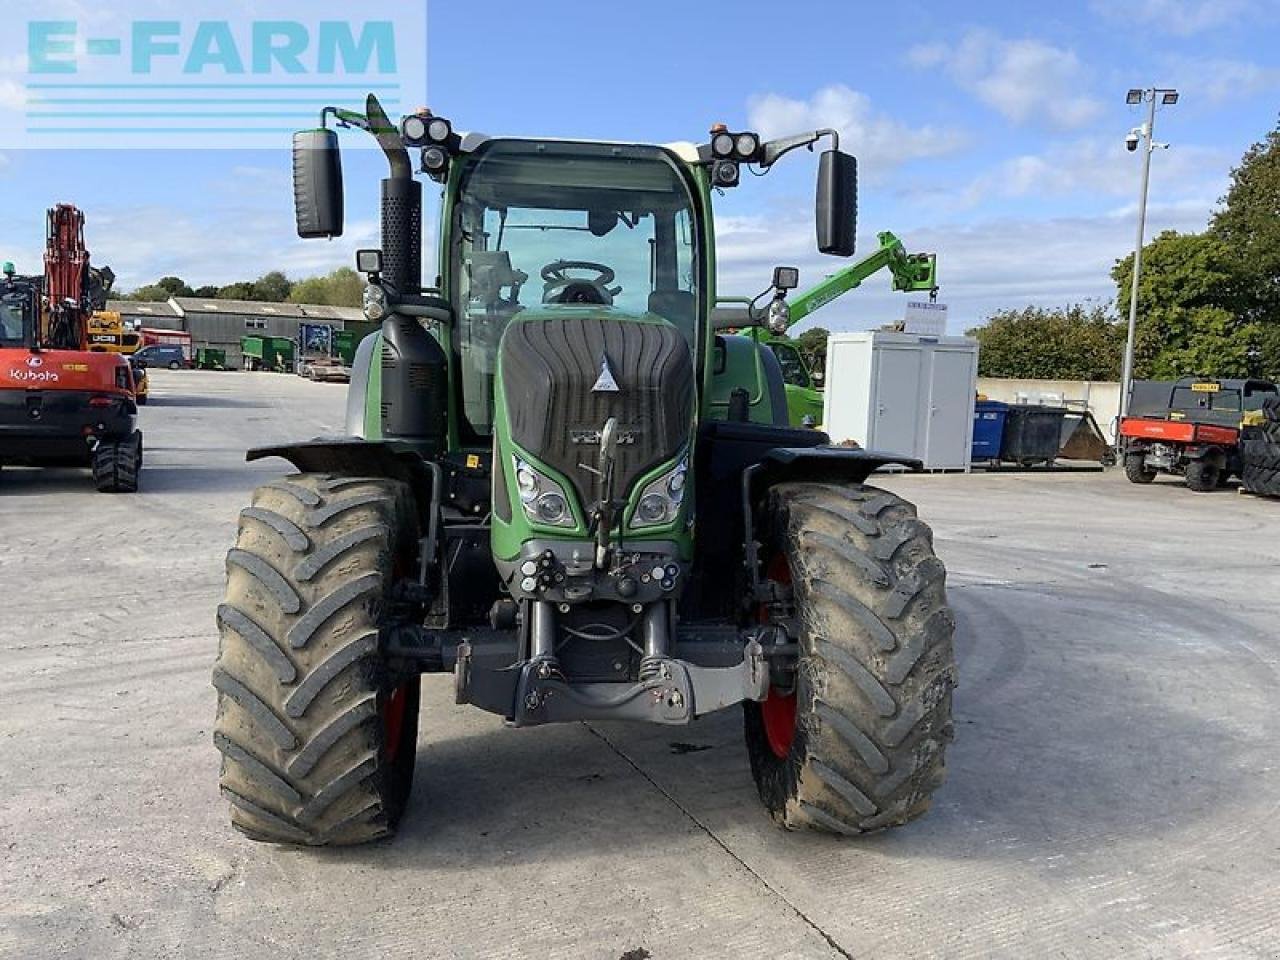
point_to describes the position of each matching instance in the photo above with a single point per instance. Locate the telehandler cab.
(552, 489)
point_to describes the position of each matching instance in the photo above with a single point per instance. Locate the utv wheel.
(857, 744)
(1202, 476)
(317, 730)
(1136, 469)
(116, 465)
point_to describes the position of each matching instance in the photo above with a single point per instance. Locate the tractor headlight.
(542, 498)
(375, 302)
(661, 498)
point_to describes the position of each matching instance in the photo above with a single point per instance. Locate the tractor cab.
(19, 309)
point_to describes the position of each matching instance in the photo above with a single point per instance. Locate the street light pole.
(1146, 140)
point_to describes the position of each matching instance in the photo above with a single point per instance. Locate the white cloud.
(983, 266)
(879, 141)
(1094, 167)
(1219, 80)
(1024, 80)
(1181, 17)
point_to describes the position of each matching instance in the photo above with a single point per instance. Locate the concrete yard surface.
(1112, 791)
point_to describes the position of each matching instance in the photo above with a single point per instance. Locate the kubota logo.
(34, 362)
(33, 376)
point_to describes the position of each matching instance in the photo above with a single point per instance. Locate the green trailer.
(208, 358)
(267, 353)
(344, 346)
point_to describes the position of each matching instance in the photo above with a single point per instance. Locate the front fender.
(353, 457)
(826, 462)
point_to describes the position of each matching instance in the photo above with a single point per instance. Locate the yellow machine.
(107, 334)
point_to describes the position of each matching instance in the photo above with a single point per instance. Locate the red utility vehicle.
(1197, 435)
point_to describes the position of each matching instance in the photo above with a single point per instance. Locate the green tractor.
(554, 491)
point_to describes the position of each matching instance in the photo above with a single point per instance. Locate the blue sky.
(990, 132)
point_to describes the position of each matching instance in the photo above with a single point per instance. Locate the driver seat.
(678, 306)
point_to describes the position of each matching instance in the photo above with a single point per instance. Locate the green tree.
(240, 290)
(206, 292)
(175, 286)
(150, 291)
(341, 288)
(273, 287)
(812, 345)
(1070, 343)
(1193, 308)
(310, 290)
(1249, 225)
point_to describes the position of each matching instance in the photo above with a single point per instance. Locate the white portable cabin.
(903, 393)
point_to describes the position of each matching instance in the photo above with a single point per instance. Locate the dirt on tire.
(310, 754)
(1136, 470)
(1202, 476)
(116, 465)
(873, 691)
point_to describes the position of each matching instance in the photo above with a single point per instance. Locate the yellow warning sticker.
(77, 367)
(473, 461)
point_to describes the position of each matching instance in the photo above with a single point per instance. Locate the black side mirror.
(836, 207)
(317, 184)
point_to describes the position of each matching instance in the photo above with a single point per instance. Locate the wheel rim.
(393, 711)
(778, 709)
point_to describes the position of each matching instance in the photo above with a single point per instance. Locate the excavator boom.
(72, 288)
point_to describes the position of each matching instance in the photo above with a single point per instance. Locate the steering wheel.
(555, 272)
(559, 287)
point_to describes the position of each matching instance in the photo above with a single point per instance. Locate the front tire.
(117, 463)
(1202, 476)
(870, 716)
(1136, 469)
(317, 731)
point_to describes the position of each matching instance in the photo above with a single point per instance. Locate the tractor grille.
(549, 369)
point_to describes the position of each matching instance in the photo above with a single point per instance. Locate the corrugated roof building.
(221, 323)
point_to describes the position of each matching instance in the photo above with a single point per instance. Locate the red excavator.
(60, 404)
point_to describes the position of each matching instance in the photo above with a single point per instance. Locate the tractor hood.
(566, 370)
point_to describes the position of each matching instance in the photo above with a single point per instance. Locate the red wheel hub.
(778, 710)
(393, 721)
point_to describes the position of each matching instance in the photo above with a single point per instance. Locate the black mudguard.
(354, 457)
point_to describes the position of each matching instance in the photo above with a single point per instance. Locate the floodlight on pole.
(1142, 135)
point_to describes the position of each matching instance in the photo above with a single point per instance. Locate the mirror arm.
(344, 118)
(774, 150)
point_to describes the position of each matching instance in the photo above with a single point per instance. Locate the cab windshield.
(794, 371)
(545, 225)
(13, 315)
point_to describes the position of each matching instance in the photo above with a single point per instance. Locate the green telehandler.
(563, 493)
(912, 273)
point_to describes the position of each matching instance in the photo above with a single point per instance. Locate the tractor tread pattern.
(1260, 456)
(300, 675)
(116, 465)
(877, 667)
